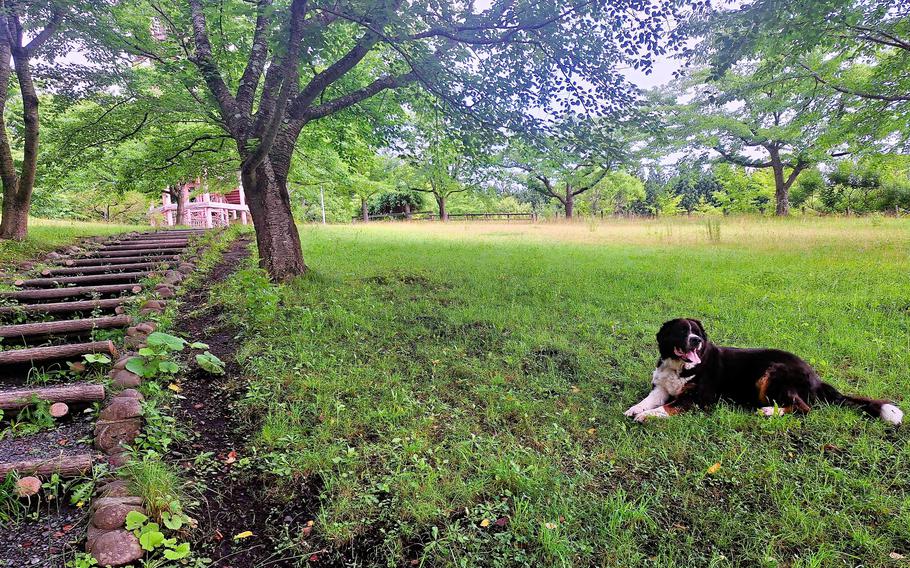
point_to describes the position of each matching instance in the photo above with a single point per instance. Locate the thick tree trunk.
(443, 212)
(183, 195)
(781, 186)
(17, 196)
(14, 224)
(276, 234)
(364, 210)
(178, 194)
(781, 191)
(570, 203)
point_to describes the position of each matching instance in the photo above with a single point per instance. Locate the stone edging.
(118, 424)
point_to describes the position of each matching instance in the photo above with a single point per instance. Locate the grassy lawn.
(45, 235)
(456, 392)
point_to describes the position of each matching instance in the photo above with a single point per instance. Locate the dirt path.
(234, 501)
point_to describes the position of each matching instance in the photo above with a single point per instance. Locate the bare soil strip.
(234, 500)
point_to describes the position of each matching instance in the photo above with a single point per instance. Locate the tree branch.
(335, 71)
(860, 94)
(47, 32)
(354, 97)
(269, 123)
(258, 54)
(211, 74)
(741, 161)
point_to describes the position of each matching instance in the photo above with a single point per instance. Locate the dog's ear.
(664, 330)
(701, 328)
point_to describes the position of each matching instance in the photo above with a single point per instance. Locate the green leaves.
(151, 536)
(156, 358)
(182, 550)
(99, 358)
(165, 342)
(210, 363)
(134, 520)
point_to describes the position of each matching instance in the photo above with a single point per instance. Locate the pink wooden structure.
(205, 209)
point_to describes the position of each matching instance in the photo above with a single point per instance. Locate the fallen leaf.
(551, 526)
(485, 523)
(305, 531)
(592, 431)
(244, 534)
(896, 556)
(231, 457)
(575, 389)
(314, 558)
(310, 523)
(198, 405)
(501, 521)
(80, 504)
(67, 528)
(218, 536)
(175, 387)
(714, 468)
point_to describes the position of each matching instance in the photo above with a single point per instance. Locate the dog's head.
(682, 339)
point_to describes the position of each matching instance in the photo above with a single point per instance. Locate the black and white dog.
(692, 371)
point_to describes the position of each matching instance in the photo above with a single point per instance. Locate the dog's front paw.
(658, 412)
(634, 410)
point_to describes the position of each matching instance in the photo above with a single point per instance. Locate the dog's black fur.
(750, 377)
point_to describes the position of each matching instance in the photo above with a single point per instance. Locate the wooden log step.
(128, 250)
(92, 279)
(64, 326)
(81, 392)
(63, 465)
(119, 260)
(38, 354)
(136, 252)
(104, 269)
(145, 244)
(55, 293)
(64, 307)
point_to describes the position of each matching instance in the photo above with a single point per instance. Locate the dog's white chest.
(666, 376)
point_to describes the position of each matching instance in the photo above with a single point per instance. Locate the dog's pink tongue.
(693, 357)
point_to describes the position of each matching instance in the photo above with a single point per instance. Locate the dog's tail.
(877, 408)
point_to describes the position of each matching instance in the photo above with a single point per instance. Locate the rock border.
(119, 423)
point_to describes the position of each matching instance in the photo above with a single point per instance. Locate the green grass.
(438, 379)
(45, 235)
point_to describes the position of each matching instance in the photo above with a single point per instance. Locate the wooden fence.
(433, 216)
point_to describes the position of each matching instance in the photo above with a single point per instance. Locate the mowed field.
(453, 394)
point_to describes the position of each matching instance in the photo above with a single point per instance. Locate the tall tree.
(865, 46)
(271, 67)
(443, 159)
(20, 20)
(575, 159)
(762, 116)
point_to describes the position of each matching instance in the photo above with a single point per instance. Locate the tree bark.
(64, 465)
(14, 224)
(781, 186)
(20, 398)
(570, 202)
(441, 202)
(364, 210)
(17, 197)
(71, 350)
(270, 206)
(63, 307)
(781, 191)
(183, 196)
